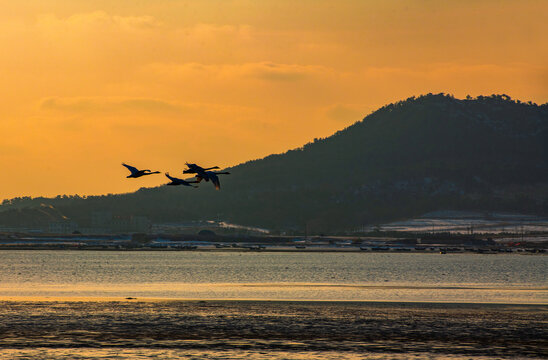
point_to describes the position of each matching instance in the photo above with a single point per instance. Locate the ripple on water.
(305, 329)
(304, 276)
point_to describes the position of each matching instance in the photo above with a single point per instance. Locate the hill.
(433, 152)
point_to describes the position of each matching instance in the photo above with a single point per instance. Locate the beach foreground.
(269, 329)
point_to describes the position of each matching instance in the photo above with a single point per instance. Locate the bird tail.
(217, 185)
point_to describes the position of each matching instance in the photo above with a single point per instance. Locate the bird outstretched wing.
(131, 168)
(215, 180)
(171, 177)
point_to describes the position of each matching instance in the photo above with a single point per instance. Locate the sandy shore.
(350, 329)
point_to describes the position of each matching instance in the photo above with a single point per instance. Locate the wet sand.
(269, 329)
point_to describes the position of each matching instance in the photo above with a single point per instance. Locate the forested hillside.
(418, 155)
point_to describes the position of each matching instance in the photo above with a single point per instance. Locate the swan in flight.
(135, 173)
(211, 175)
(176, 181)
(205, 174)
(195, 169)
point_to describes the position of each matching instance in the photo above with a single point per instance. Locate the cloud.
(214, 32)
(265, 71)
(387, 84)
(440, 70)
(10, 149)
(89, 105)
(154, 109)
(282, 72)
(94, 21)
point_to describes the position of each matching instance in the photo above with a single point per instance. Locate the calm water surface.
(276, 276)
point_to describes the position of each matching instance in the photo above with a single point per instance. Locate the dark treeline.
(422, 154)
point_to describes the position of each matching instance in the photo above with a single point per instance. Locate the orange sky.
(88, 84)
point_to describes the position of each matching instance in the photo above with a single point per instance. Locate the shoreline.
(384, 303)
(280, 250)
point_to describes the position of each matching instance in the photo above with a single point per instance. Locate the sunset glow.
(87, 85)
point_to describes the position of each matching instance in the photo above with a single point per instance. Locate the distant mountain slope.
(423, 154)
(32, 217)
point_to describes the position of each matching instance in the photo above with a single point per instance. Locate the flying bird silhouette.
(135, 173)
(205, 174)
(211, 175)
(195, 169)
(175, 181)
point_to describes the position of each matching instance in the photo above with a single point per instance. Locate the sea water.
(407, 277)
(133, 305)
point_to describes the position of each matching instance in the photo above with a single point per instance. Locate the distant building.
(105, 222)
(62, 227)
(101, 219)
(130, 224)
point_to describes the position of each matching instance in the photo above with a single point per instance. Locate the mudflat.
(266, 329)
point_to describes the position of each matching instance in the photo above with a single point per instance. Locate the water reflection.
(275, 276)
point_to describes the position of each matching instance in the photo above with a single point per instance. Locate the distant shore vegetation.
(421, 154)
